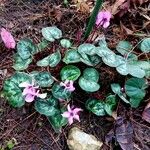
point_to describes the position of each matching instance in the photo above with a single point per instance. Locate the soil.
(32, 131)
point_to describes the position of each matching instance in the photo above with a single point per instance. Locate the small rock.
(79, 140)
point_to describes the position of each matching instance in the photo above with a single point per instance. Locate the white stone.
(79, 140)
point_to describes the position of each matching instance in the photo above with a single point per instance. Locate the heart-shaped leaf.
(135, 70)
(91, 60)
(91, 74)
(44, 62)
(51, 60)
(110, 104)
(65, 43)
(124, 47)
(26, 48)
(71, 56)
(135, 88)
(86, 48)
(44, 79)
(44, 107)
(59, 92)
(54, 59)
(88, 85)
(11, 90)
(58, 121)
(21, 64)
(42, 45)
(96, 106)
(135, 102)
(116, 88)
(70, 72)
(145, 45)
(51, 33)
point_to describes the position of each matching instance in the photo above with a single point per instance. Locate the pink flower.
(71, 114)
(7, 38)
(103, 19)
(68, 85)
(30, 92)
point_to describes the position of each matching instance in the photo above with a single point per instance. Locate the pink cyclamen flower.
(68, 85)
(7, 38)
(71, 114)
(103, 19)
(31, 91)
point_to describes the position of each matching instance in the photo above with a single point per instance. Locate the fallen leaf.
(124, 28)
(123, 133)
(146, 113)
(56, 13)
(117, 4)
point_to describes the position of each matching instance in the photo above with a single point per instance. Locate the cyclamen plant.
(51, 95)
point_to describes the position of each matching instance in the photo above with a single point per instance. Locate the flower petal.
(106, 24)
(7, 38)
(76, 110)
(42, 95)
(62, 84)
(69, 109)
(76, 117)
(70, 120)
(29, 98)
(24, 84)
(66, 114)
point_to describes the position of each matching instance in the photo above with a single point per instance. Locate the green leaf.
(91, 74)
(44, 107)
(44, 62)
(26, 48)
(57, 121)
(116, 88)
(70, 72)
(44, 79)
(145, 45)
(121, 65)
(21, 64)
(65, 43)
(135, 102)
(110, 104)
(110, 59)
(87, 85)
(51, 33)
(135, 88)
(135, 70)
(108, 56)
(124, 47)
(54, 59)
(91, 60)
(96, 106)
(42, 45)
(51, 60)
(71, 56)
(60, 93)
(11, 90)
(86, 48)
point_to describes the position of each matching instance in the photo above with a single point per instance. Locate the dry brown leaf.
(124, 28)
(56, 13)
(117, 4)
(123, 133)
(84, 6)
(139, 1)
(146, 113)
